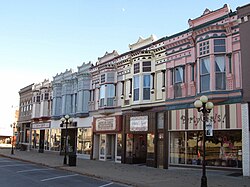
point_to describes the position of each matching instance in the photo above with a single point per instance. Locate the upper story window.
(136, 87)
(204, 47)
(220, 72)
(179, 74)
(146, 66)
(102, 95)
(110, 94)
(219, 45)
(146, 87)
(46, 96)
(107, 95)
(136, 68)
(192, 72)
(102, 78)
(38, 98)
(178, 78)
(205, 74)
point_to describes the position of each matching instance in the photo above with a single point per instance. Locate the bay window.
(219, 45)
(220, 72)
(102, 95)
(146, 87)
(110, 94)
(107, 95)
(205, 74)
(136, 88)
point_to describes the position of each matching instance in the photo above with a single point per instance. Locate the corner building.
(205, 60)
(244, 25)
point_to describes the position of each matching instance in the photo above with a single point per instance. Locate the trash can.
(72, 159)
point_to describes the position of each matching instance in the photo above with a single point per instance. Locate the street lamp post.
(13, 135)
(66, 120)
(205, 107)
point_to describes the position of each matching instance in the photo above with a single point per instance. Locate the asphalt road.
(15, 173)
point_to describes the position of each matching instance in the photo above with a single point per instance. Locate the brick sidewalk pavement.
(135, 175)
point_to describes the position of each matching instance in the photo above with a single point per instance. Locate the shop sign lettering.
(139, 123)
(105, 124)
(40, 125)
(195, 120)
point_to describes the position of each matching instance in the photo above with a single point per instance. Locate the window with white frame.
(107, 95)
(102, 95)
(204, 74)
(110, 94)
(136, 87)
(146, 87)
(220, 72)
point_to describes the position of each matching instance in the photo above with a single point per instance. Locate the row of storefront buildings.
(137, 107)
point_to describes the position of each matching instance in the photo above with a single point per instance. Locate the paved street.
(20, 173)
(134, 175)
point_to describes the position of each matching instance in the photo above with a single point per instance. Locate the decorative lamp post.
(205, 107)
(13, 135)
(66, 120)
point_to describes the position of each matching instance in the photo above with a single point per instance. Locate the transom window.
(46, 96)
(102, 78)
(204, 47)
(136, 68)
(219, 45)
(146, 66)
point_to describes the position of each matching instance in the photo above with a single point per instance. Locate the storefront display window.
(55, 139)
(46, 140)
(129, 145)
(84, 143)
(223, 149)
(150, 146)
(177, 147)
(35, 139)
(102, 144)
(119, 145)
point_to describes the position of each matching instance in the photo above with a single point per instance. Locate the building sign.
(213, 119)
(139, 123)
(40, 125)
(106, 124)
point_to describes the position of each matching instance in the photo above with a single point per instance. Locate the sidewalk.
(135, 175)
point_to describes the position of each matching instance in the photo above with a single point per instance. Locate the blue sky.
(39, 39)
